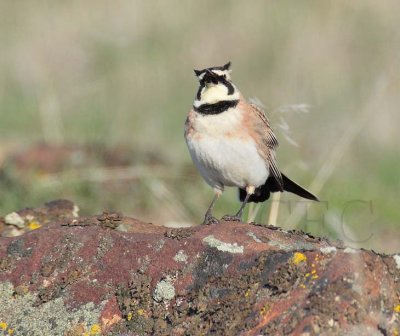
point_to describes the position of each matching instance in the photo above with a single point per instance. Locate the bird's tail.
(263, 192)
(294, 188)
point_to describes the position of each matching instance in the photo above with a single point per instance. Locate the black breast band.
(216, 108)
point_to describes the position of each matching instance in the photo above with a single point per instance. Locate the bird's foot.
(231, 218)
(210, 220)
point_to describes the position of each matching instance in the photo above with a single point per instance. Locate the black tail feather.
(262, 193)
(294, 188)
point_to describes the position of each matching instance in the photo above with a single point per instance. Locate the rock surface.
(114, 275)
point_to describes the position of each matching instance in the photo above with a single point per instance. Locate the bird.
(232, 144)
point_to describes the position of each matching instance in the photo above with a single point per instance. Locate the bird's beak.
(211, 77)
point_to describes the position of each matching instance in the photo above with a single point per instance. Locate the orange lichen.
(33, 225)
(95, 330)
(310, 277)
(265, 309)
(397, 308)
(107, 322)
(298, 257)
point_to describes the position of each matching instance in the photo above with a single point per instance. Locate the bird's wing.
(267, 141)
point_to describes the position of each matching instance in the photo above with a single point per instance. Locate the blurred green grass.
(120, 73)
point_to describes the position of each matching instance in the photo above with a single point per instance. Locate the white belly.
(226, 161)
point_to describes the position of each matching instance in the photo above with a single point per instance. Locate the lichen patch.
(396, 258)
(349, 250)
(298, 257)
(51, 318)
(223, 246)
(181, 256)
(252, 235)
(164, 291)
(14, 219)
(328, 249)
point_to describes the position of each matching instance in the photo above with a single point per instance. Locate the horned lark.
(232, 143)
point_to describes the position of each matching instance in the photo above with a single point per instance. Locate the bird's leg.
(238, 216)
(208, 218)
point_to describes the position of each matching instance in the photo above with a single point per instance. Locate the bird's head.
(214, 75)
(215, 85)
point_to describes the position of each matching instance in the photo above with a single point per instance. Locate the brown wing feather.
(269, 142)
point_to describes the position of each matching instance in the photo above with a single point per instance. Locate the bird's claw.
(210, 220)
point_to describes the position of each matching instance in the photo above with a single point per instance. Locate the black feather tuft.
(226, 66)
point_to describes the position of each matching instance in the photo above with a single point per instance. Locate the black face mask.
(210, 78)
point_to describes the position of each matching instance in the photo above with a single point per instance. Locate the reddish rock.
(111, 314)
(28, 219)
(115, 275)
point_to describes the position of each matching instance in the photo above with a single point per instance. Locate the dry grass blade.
(168, 198)
(274, 210)
(342, 145)
(253, 212)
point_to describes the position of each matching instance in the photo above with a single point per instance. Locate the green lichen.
(181, 256)
(252, 235)
(49, 319)
(223, 246)
(165, 291)
(291, 246)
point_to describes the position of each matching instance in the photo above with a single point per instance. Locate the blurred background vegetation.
(93, 97)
